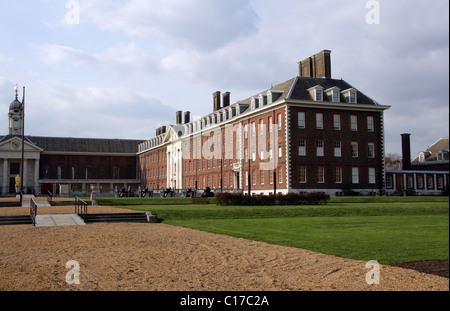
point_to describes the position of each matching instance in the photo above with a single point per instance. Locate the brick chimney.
(316, 66)
(216, 100)
(226, 99)
(179, 117)
(187, 117)
(406, 151)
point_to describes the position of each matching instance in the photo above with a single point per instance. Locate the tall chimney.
(216, 99)
(316, 66)
(187, 117)
(179, 117)
(226, 99)
(163, 129)
(406, 151)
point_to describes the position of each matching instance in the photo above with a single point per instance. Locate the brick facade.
(252, 146)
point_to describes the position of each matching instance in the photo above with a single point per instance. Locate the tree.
(393, 162)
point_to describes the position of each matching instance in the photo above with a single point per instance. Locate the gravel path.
(125, 256)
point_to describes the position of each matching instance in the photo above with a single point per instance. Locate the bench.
(199, 200)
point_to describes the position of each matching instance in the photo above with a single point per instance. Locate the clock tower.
(15, 117)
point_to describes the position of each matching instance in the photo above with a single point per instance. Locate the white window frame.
(338, 173)
(337, 122)
(371, 150)
(337, 150)
(370, 123)
(319, 95)
(355, 175)
(320, 174)
(302, 169)
(354, 122)
(319, 120)
(302, 148)
(335, 98)
(320, 148)
(301, 119)
(372, 177)
(354, 149)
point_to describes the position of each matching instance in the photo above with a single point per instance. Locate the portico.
(11, 158)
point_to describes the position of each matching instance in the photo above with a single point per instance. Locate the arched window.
(116, 172)
(88, 171)
(75, 172)
(61, 171)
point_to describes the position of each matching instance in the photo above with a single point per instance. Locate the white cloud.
(202, 24)
(121, 59)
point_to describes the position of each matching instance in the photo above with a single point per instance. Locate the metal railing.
(49, 196)
(33, 211)
(80, 206)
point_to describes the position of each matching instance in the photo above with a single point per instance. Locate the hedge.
(311, 198)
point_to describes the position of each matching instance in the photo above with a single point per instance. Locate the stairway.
(117, 217)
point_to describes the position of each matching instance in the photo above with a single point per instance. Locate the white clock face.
(15, 145)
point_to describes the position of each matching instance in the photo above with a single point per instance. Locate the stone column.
(5, 176)
(36, 176)
(25, 175)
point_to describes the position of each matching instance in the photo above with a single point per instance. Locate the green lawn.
(386, 229)
(387, 239)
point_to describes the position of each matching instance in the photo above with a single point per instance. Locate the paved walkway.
(59, 220)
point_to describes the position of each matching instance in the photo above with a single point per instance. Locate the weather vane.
(15, 89)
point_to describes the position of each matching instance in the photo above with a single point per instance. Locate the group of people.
(167, 192)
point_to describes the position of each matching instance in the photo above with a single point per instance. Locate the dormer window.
(262, 100)
(421, 157)
(353, 97)
(333, 94)
(441, 155)
(350, 95)
(319, 95)
(316, 93)
(273, 95)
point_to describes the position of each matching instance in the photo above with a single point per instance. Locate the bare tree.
(393, 162)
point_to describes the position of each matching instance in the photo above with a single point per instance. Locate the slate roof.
(441, 144)
(297, 89)
(300, 89)
(89, 145)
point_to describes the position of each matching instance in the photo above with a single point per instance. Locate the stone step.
(59, 220)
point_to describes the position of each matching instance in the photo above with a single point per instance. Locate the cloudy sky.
(122, 68)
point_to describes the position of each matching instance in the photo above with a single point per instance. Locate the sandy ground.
(126, 256)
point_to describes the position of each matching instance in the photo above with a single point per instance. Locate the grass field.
(386, 229)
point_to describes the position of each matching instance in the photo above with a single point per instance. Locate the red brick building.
(309, 133)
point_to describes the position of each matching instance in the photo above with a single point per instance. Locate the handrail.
(33, 211)
(49, 196)
(80, 206)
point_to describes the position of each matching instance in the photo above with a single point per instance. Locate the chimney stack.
(187, 117)
(179, 117)
(316, 66)
(226, 99)
(163, 129)
(216, 99)
(406, 151)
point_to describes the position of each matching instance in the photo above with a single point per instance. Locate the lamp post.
(221, 173)
(22, 108)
